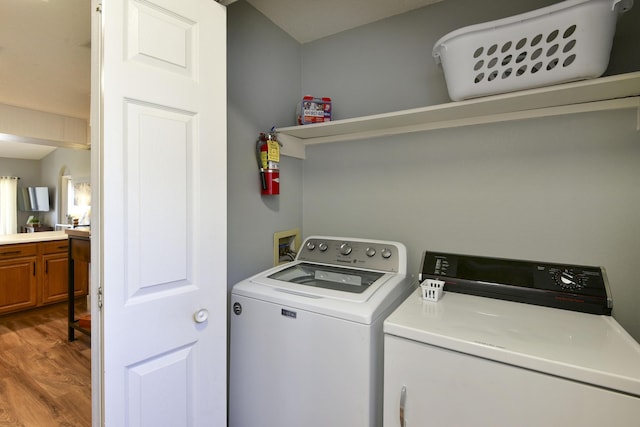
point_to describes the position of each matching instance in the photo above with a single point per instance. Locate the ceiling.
(45, 49)
(309, 20)
(45, 62)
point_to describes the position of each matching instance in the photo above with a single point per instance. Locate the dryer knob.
(370, 252)
(386, 253)
(323, 247)
(310, 246)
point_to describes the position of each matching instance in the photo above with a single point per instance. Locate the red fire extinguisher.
(268, 152)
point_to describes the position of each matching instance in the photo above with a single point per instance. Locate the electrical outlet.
(285, 246)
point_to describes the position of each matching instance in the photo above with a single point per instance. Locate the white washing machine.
(306, 340)
(471, 360)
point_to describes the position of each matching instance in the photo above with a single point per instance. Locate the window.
(8, 205)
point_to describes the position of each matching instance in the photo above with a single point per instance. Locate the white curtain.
(8, 205)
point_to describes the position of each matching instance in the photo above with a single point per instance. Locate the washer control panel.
(370, 254)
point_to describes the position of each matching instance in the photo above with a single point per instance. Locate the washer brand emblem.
(289, 313)
(237, 308)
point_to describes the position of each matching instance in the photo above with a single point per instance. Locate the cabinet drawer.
(17, 251)
(55, 246)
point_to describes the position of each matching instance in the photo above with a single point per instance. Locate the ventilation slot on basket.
(520, 58)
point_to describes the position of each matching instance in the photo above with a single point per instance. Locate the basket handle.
(624, 5)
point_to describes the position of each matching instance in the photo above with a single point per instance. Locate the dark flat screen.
(487, 270)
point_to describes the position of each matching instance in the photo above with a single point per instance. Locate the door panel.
(164, 40)
(163, 126)
(152, 403)
(168, 135)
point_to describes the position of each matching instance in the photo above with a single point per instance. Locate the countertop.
(42, 236)
(83, 232)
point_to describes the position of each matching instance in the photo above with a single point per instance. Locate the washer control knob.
(323, 247)
(370, 252)
(345, 249)
(310, 246)
(386, 253)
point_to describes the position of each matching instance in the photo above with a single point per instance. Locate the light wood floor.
(44, 379)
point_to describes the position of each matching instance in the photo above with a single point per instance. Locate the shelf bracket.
(292, 146)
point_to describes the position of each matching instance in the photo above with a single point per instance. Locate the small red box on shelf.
(313, 110)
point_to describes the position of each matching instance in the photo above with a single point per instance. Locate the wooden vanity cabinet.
(18, 277)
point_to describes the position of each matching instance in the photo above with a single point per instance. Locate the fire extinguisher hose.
(263, 179)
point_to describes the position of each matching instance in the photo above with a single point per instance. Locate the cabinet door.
(17, 284)
(81, 277)
(55, 280)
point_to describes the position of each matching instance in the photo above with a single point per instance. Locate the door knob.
(201, 315)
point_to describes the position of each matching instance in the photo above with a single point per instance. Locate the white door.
(162, 221)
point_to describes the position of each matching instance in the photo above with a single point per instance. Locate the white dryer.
(306, 340)
(478, 358)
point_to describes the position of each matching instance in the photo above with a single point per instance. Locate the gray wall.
(558, 189)
(562, 189)
(263, 73)
(387, 66)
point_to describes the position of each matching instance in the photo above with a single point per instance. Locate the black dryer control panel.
(571, 287)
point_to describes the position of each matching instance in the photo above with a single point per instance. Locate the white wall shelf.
(605, 93)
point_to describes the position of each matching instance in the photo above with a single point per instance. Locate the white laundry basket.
(567, 41)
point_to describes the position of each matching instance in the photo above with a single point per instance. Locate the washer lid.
(318, 281)
(364, 307)
(328, 277)
(589, 348)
